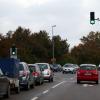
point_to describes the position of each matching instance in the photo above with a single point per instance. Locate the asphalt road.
(64, 87)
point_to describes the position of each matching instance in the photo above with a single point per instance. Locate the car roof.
(87, 65)
(42, 63)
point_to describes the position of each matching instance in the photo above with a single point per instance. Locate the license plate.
(88, 74)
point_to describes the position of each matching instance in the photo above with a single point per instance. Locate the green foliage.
(89, 50)
(33, 47)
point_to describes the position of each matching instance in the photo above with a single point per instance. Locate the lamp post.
(53, 45)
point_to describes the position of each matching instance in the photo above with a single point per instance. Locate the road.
(64, 87)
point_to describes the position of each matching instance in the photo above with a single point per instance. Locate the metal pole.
(53, 45)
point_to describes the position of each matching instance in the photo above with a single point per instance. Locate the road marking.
(91, 85)
(35, 98)
(58, 84)
(45, 91)
(85, 85)
(71, 78)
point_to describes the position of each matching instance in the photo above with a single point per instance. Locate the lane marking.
(71, 78)
(58, 84)
(44, 92)
(85, 85)
(35, 98)
(91, 85)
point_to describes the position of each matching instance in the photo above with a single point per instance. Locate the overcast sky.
(71, 17)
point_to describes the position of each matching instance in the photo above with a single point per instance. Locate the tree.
(89, 50)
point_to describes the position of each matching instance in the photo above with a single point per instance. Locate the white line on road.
(35, 98)
(71, 78)
(58, 84)
(85, 85)
(45, 91)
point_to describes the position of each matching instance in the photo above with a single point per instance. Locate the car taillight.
(78, 72)
(36, 74)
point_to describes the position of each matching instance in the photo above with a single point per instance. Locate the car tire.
(17, 90)
(7, 95)
(32, 86)
(63, 72)
(52, 79)
(49, 80)
(27, 87)
(97, 82)
(78, 82)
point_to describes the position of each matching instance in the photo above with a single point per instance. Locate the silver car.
(68, 68)
(47, 71)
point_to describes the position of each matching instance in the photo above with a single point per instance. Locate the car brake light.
(78, 72)
(36, 74)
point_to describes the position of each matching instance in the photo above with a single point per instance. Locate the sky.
(71, 17)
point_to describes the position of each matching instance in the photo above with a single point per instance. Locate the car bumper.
(68, 71)
(46, 77)
(88, 78)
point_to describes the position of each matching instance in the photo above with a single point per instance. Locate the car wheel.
(97, 82)
(52, 79)
(7, 95)
(17, 89)
(78, 81)
(27, 87)
(49, 79)
(32, 86)
(63, 72)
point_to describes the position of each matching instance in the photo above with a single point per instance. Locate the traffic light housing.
(13, 50)
(92, 18)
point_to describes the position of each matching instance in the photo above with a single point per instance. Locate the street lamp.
(53, 46)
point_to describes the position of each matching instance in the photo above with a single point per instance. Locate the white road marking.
(91, 85)
(35, 98)
(85, 85)
(45, 91)
(58, 84)
(71, 78)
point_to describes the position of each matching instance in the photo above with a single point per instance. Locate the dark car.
(4, 85)
(57, 68)
(87, 72)
(25, 76)
(37, 73)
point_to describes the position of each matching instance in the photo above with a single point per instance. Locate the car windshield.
(43, 66)
(87, 67)
(55, 65)
(68, 65)
(21, 67)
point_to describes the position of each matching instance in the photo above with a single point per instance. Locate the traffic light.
(92, 18)
(13, 50)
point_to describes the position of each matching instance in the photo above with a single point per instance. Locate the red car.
(87, 72)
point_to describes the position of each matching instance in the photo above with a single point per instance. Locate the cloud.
(70, 16)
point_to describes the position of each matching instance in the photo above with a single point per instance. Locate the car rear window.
(43, 66)
(21, 67)
(68, 65)
(31, 67)
(88, 67)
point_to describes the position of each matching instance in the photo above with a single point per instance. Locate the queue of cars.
(15, 75)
